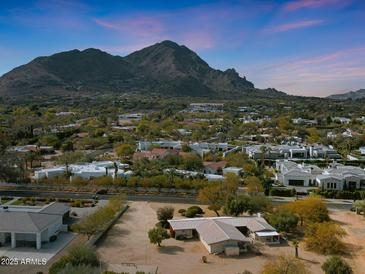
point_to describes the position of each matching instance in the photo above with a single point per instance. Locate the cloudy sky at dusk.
(303, 47)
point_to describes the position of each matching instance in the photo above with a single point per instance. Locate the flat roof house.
(340, 177)
(293, 174)
(231, 235)
(31, 225)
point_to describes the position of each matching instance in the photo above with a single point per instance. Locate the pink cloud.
(299, 4)
(198, 40)
(139, 26)
(205, 29)
(294, 25)
(318, 75)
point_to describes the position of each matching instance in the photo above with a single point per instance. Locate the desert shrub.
(285, 264)
(345, 194)
(198, 209)
(283, 192)
(164, 214)
(336, 265)
(192, 211)
(57, 266)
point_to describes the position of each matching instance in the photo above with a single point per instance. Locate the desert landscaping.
(127, 242)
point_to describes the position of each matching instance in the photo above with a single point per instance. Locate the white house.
(225, 234)
(168, 144)
(362, 150)
(130, 118)
(86, 170)
(342, 120)
(293, 174)
(340, 177)
(293, 152)
(30, 225)
(205, 107)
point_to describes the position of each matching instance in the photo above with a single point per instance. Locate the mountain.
(349, 95)
(164, 68)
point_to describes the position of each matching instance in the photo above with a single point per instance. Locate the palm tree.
(296, 245)
(115, 170)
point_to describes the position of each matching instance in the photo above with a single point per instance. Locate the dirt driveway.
(355, 228)
(127, 242)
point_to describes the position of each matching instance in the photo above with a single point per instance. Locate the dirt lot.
(355, 228)
(128, 242)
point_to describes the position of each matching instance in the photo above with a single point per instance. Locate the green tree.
(193, 162)
(237, 159)
(164, 214)
(336, 265)
(157, 235)
(283, 220)
(50, 140)
(236, 205)
(215, 193)
(70, 157)
(67, 146)
(258, 204)
(125, 151)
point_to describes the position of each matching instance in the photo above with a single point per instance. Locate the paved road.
(84, 195)
(333, 204)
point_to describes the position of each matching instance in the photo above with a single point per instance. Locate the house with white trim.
(341, 177)
(293, 174)
(225, 234)
(86, 170)
(32, 225)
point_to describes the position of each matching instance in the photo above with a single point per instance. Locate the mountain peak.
(169, 43)
(165, 68)
(353, 95)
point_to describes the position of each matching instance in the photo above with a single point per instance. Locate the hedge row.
(345, 194)
(283, 192)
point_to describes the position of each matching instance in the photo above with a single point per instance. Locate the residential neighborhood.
(233, 187)
(182, 137)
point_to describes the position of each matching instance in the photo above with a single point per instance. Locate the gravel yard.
(127, 242)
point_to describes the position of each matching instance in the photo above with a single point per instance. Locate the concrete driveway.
(47, 251)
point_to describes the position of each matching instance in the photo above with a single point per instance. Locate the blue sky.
(303, 47)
